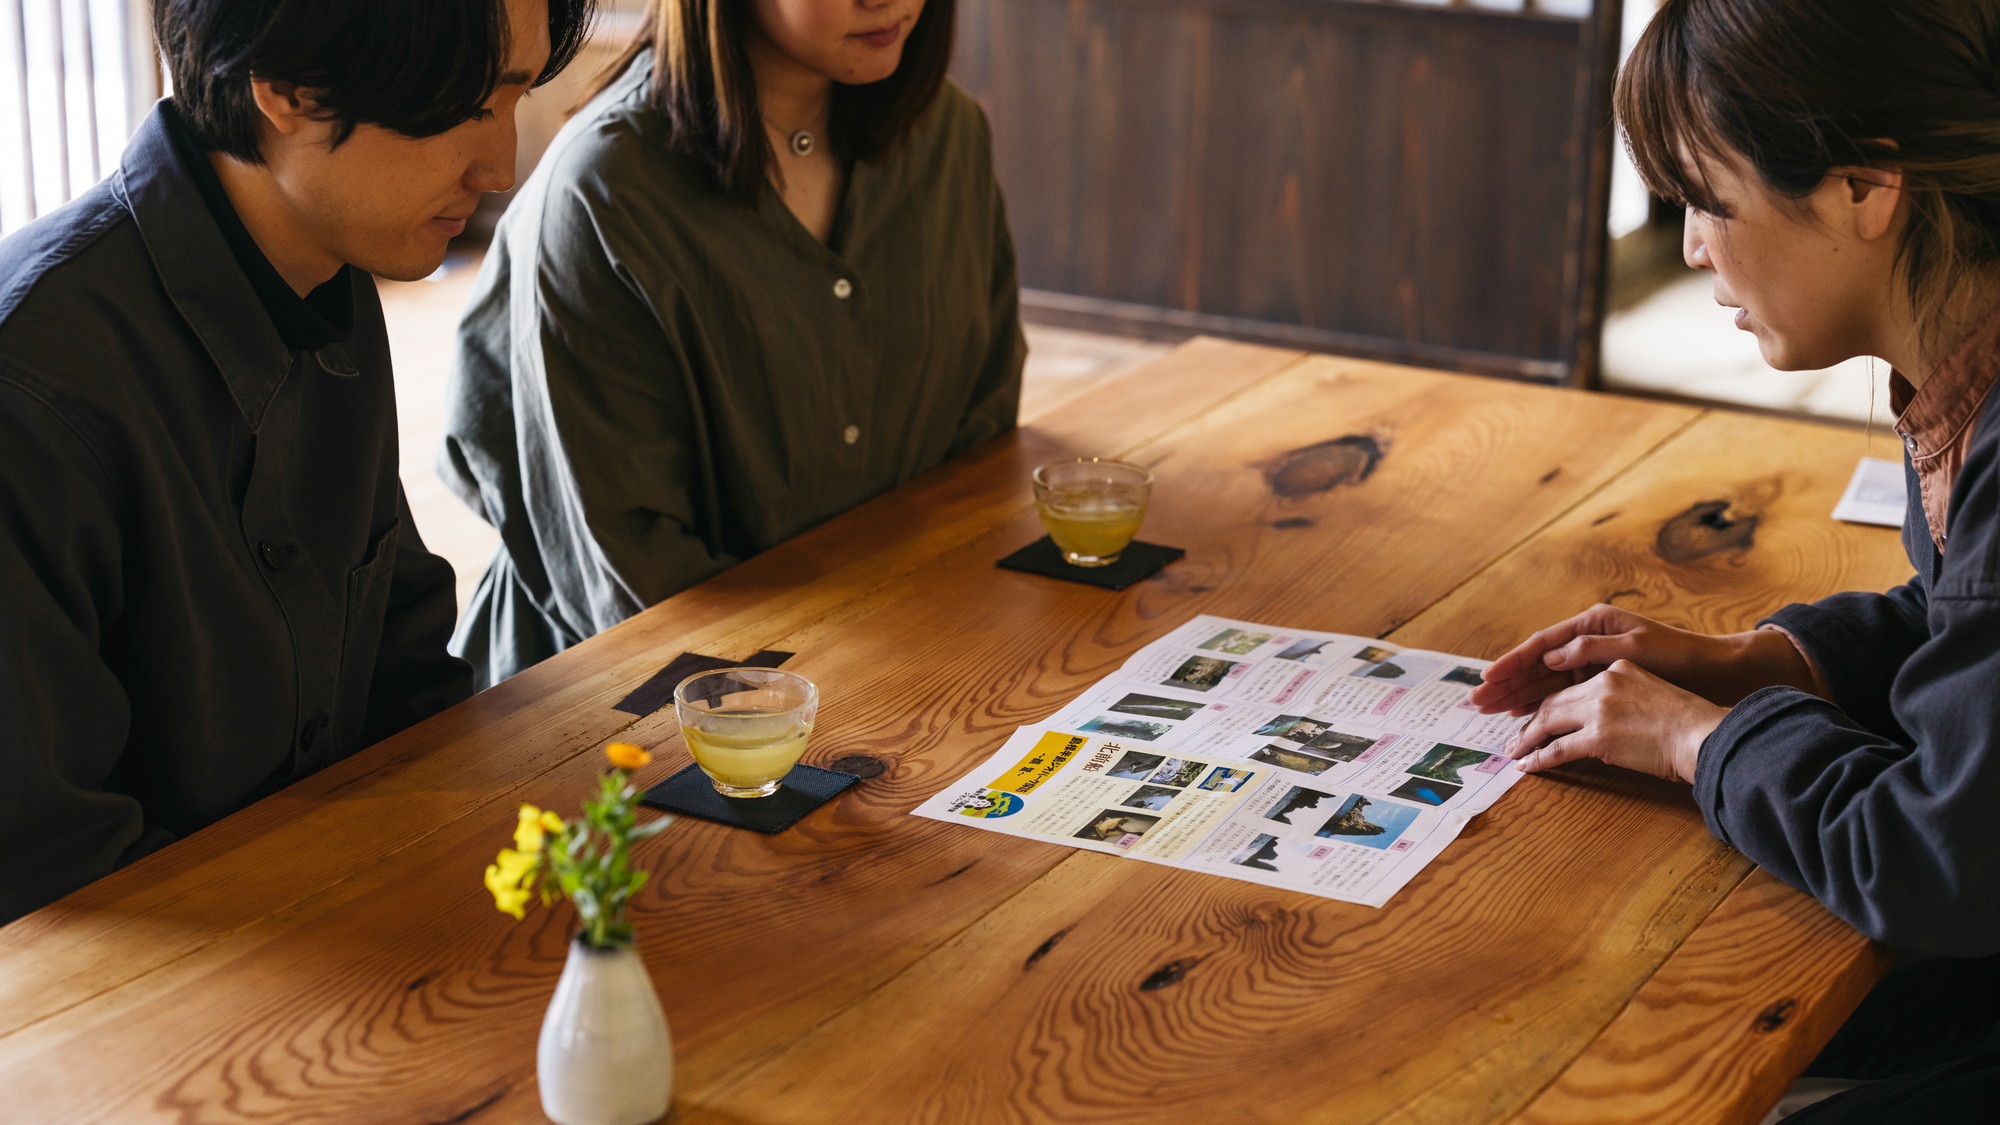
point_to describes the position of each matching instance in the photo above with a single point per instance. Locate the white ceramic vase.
(604, 1056)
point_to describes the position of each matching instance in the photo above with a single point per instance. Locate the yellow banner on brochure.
(1052, 752)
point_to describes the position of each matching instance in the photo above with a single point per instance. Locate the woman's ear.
(287, 108)
(1870, 197)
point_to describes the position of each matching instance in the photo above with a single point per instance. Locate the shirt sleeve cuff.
(1729, 738)
(1819, 685)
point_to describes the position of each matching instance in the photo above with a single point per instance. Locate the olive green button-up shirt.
(657, 380)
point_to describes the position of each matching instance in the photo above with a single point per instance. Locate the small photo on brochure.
(1372, 824)
(1126, 728)
(1154, 707)
(1152, 798)
(1470, 677)
(1447, 763)
(1298, 728)
(1298, 799)
(1235, 642)
(1302, 649)
(1222, 779)
(1424, 791)
(1374, 654)
(1340, 747)
(1118, 828)
(1135, 766)
(1402, 667)
(1201, 673)
(1178, 772)
(1260, 854)
(1284, 757)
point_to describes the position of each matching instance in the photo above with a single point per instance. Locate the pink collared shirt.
(1936, 420)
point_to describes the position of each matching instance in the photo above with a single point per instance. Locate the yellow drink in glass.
(1091, 525)
(753, 755)
(1091, 507)
(746, 727)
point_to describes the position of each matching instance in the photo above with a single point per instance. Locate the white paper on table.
(1335, 765)
(1875, 494)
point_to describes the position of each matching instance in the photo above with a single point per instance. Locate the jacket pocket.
(368, 588)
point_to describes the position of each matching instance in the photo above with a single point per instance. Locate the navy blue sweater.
(1885, 803)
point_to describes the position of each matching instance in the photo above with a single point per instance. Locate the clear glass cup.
(746, 726)
(1091, 507)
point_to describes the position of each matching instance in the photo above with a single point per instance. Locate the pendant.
(802, 143)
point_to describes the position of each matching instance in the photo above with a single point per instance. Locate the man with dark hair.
(209, 581)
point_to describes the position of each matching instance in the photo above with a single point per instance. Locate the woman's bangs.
(1668, 131)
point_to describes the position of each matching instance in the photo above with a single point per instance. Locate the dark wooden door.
(1362, 176)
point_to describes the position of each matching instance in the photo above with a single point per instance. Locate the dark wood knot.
(1169, 973)
(1291, 522)
(1704, 529)
(1324, 465)
(1775, 1016)
(1042, 950)
(860, 765)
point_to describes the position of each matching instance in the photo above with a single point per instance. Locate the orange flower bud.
(626, 756)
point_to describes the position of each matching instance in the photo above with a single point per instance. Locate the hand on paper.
(1624, 715)
(1721, 669)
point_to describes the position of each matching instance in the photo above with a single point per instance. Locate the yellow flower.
(528, 832)
(626, 756)
(551, 822)
(510, 880)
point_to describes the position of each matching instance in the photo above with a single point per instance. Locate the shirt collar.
(307, 324)
(1932, 417)
(203, 277)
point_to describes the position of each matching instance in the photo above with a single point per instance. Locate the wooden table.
(1585, 952)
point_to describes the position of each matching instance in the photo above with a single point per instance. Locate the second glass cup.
(746, 726)
(1091, 507)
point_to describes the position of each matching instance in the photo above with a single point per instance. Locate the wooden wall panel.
(1363, 177)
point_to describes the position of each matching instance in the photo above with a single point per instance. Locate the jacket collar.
(1933, 418)
(198, 271)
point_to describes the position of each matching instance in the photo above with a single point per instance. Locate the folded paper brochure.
(1334, 765)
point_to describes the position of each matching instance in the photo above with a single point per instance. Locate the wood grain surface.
(330, 955)
(1333, 981)
(1717, 1034)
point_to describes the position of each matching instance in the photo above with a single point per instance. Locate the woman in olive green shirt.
(726, 307)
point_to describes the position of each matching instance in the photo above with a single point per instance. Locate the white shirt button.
(851, 434)
(843, 289)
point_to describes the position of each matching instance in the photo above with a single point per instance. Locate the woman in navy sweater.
(1840, 165)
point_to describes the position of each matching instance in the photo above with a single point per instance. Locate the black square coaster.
(658, 691)
(1138, 560)
(805, 789)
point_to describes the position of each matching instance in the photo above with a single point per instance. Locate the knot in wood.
(1775, 1016)
(859, 765)
(1324, 465)
(1704, 529)
(1042, 950)
(1169, 973)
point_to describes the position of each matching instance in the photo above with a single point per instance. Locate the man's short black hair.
(419, 67)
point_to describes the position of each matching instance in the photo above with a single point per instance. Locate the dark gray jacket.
(209, 582)
(1885, 804)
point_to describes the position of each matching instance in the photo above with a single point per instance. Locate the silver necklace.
(800, 141)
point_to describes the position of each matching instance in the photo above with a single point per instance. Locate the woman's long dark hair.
(1795, 88)
(702, 82)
